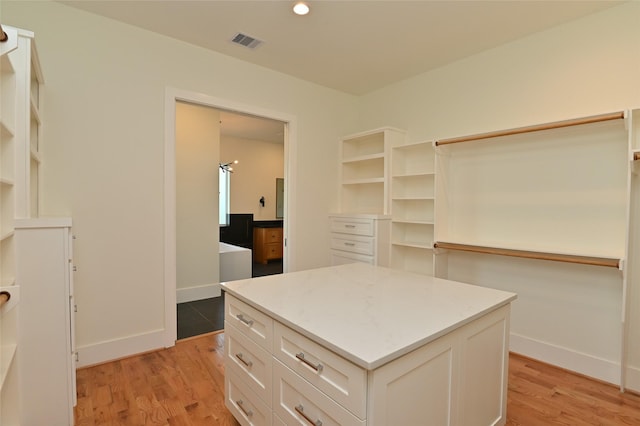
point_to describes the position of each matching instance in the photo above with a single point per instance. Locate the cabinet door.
(416, 389)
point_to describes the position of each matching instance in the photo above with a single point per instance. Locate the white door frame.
(173, 95)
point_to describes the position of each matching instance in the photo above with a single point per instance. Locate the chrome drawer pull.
(300, 410)
(241, 317)
(350, 244)
(240, 404)
(317, 368)
(244, 361)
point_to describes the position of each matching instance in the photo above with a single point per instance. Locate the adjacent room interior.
(229, 193)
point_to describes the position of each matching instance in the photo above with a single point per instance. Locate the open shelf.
(364, 170)
(412, 206)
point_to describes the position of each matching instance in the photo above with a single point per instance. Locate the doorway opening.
(270, 204)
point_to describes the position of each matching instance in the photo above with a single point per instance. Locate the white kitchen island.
(363, 345)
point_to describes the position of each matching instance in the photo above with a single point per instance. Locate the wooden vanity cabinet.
(267, 244)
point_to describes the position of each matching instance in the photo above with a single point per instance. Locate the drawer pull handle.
(300, 410)
(240, 404)
(317, 368)
(350, 244)
(349, 226)
(241, 317)
(244, 361)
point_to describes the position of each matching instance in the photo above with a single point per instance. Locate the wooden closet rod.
(535, 128)
(3, 36)
(584, 260)
(636, 156)
(4, 297)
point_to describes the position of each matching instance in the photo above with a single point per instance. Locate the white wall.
(567, 315)
(260, 163)
(197, 153)
(103, 155)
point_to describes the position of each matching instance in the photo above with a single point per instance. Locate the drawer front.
(297, 402)
(340, 379)
(339, 257)
(246, 407)
(248, 361)
(251, 322)
(273, 235)
(274, 251)
(354, 244)
(353, 226)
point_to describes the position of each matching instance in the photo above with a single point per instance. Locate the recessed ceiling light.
(300, 8)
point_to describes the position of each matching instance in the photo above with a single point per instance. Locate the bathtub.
(235, 262)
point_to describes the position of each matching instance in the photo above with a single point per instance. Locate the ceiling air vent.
(246, 41)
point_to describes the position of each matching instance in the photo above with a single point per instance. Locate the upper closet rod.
(535, 128)
(584, 260)
(636, 156)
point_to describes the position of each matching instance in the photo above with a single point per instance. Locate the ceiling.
(352, 46)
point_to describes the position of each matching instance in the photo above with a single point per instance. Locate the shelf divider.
(558, 257)
(535, 128)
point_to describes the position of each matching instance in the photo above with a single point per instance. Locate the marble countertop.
(367, 314)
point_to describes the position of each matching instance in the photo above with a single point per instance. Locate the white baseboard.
(120, 348)
(566, 358)
(189, 294)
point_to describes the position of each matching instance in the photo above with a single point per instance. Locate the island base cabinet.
(458, 379)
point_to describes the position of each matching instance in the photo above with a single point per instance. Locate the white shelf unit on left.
(412, 206)
(20, 140)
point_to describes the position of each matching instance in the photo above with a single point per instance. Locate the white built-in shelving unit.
(20, 138)
(360, 231)
(364, 170)
(412, 206)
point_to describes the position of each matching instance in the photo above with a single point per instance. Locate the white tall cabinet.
(46, 360)
(20, 139)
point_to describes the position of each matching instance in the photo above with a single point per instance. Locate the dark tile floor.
(207, 315)
(200, 316)
(271, 268)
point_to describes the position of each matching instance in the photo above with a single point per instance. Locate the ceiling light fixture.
(300, 8)
(226, 167)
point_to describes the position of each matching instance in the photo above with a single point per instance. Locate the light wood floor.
(184, 385)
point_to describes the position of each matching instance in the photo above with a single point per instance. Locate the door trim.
(173, 95)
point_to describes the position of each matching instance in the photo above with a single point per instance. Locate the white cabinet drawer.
(253, 323)
(249, 361)
(340, 379)
(352, 225)
(354, 244)
(339, 257)
(297, 402)
(246, 407)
